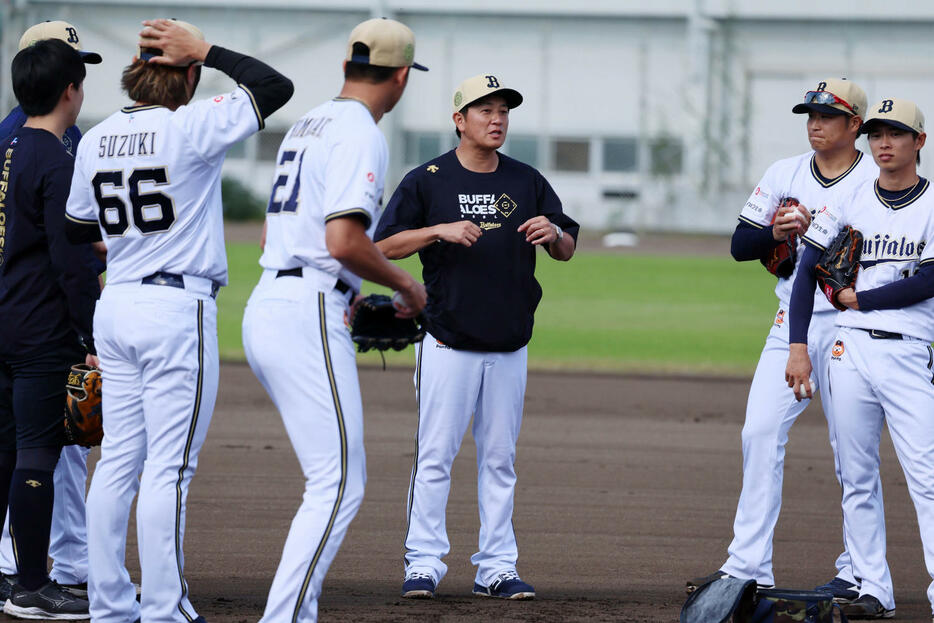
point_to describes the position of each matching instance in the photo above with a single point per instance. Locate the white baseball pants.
(158, 352)
(771, 409)
(876, 381)
(300, 349)
(452, 386)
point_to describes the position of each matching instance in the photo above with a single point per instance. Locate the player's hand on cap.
(798, 372)
(179, 46)
(539, 230)
(460, 232)
(413, 300)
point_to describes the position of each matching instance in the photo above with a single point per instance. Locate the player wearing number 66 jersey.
(147, 179)
(880, 359)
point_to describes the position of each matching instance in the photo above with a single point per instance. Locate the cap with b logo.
(387, 43)
(477, 87)
(834, 96)
(58, 30)
(145, 54)
(902, 114)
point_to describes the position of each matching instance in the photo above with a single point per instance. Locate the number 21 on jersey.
(284, 196)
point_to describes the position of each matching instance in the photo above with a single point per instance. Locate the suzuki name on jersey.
(124, 145)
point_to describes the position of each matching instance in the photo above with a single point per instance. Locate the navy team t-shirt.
(482, 297)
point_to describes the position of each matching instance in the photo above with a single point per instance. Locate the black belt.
(879, 334)
(341, 286)
(174, 280)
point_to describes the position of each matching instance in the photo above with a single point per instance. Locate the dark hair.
(151, 83)
(363, 72)
(42, 72)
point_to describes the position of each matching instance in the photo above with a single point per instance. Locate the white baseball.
(398, 303)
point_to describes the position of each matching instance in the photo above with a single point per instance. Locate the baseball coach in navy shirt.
(476, 218)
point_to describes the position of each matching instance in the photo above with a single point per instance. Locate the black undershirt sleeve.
(901, 293)
(802, 296)
(270, 89)
(751, 243)
(78, 233)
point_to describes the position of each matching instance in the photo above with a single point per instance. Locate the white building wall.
(714, 80)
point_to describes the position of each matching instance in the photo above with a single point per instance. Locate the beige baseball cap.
(472, 89)
(144, 54)
(902, 114)
(834, 96)
(390, 44)
(58, 30)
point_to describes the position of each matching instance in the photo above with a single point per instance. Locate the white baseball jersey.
(331, 164)
(798, 177)
(147, 170)
(897, 239)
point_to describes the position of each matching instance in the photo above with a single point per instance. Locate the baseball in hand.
(803, 390)
(398, 303)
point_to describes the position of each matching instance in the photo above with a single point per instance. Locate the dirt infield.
(627, 487)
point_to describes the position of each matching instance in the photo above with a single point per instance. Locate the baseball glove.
(839, 265)
(373, 324)
(781, 259)
(83, 422)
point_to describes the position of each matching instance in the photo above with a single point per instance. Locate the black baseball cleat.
(49, 602)
(867, 607)
(843, 592)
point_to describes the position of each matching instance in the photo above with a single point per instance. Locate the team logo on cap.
(72, 35)
(409, 53)
(886, 106)
(458, 98)
(837, 350)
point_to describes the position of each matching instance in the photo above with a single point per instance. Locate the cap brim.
(866, 127)
(824, 109)
(419, 67)
(91, 58)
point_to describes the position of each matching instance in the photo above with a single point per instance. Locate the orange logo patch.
(837, 350)
(780, 318)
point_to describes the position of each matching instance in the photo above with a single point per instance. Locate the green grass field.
(608, 312)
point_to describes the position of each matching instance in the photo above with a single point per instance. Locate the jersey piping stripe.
(810, 242)
(184, 467)
(418, 422)
(131, 109)
(827, 182)
(913, 196)
(753, 223)
(350, 212)
(326, 351)
(259, 117)
(926, 262)
(75, 219)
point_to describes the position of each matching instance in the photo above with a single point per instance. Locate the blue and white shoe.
(843, 592)
(506, 585)
(418, 585)
(867, 607)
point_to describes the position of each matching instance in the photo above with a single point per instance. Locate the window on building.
(524, 149)
(571, 155)
(666, 154)
(269, 141)
(422, 146)
(620, 154)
